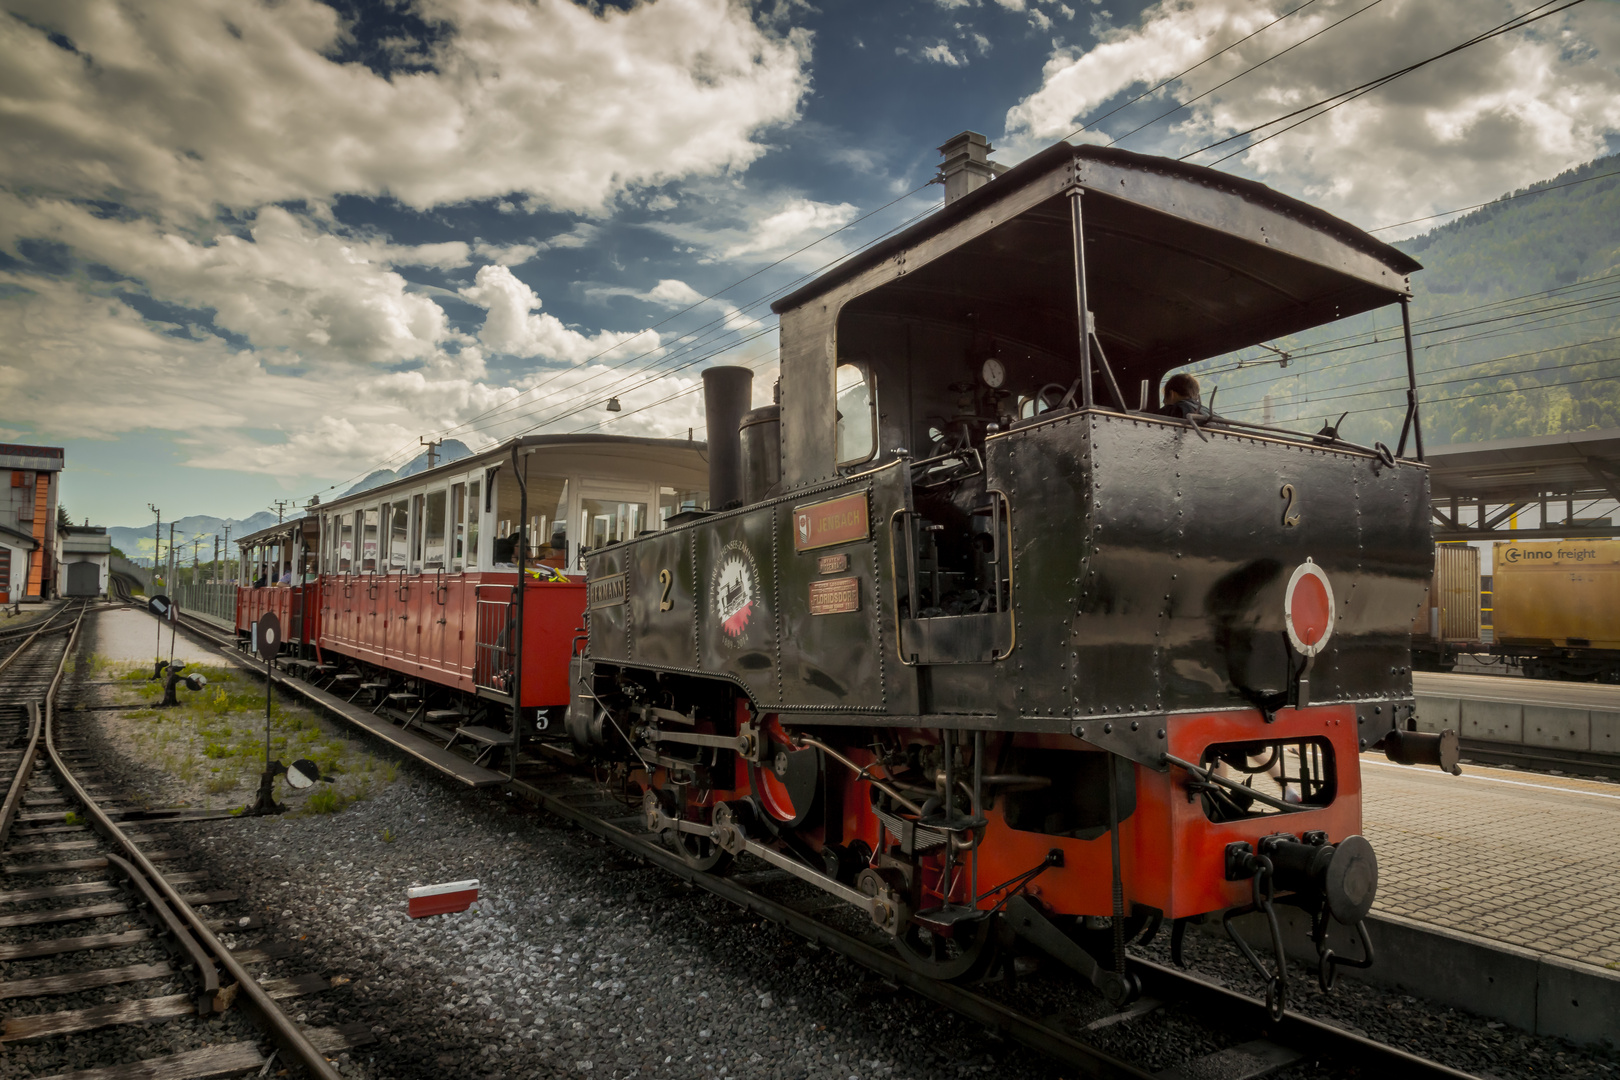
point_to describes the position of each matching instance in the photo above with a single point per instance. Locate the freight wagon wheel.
(963, 957)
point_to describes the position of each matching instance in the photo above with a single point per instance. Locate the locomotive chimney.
(967, 165)
(727, 393)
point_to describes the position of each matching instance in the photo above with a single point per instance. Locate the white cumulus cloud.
(187, 105)
(515, 326)
(1513, 110)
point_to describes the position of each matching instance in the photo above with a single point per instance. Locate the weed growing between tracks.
(212, 743)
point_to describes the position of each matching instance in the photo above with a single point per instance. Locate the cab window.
(857, 415)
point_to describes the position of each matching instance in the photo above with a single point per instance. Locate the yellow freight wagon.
(1562, 593)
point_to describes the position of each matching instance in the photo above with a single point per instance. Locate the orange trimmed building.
(28, 520)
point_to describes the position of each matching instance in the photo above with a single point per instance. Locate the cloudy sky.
(252, 249)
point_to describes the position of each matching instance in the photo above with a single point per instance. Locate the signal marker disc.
(1308, 609)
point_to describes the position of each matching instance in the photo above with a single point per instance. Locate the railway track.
(1246, 1043)
(90, 925)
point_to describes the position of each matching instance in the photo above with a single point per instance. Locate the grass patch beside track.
(213, 742)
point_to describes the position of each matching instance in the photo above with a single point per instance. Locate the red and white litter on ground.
(443, 899)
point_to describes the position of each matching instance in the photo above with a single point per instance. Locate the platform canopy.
(1477, 488)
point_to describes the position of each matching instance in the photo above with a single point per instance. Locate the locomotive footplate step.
(437, 715)
(423, 750)
(489, 736)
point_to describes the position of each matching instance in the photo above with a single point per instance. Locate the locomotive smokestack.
(967, 165)
(727, 394)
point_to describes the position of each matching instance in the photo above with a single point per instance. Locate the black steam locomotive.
(976, 640)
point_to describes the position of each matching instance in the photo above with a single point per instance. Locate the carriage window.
(382, 538)
(416, 534)
(398, 532)
(548, 520)
(433, 547)
(857, 416)
(368, 542)
(458, 527)
(346, 544)
(607, 521)
(475, 513)
(674, 500)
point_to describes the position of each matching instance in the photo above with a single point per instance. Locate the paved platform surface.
(1550, 692)
(1511, 856)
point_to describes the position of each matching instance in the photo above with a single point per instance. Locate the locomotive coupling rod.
(1209, 776)
(1023, 919)
(860, 772)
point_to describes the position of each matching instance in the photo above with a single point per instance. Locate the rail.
(201, 946)
(1308, 1037)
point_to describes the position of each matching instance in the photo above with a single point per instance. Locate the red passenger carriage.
(405, 595)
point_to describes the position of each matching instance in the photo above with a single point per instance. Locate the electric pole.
(432, 449)
(229, 569)
(157, 537)
(280, 508)
(168, 578)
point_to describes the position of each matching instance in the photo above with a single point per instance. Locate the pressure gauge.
(993, 373)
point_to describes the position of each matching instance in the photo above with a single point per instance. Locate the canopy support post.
(518, 469)
(1413, 424)
(1080, 298)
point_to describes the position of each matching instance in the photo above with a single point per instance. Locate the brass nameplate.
(836, 595)
(607, 592)
(837, 521)
(833, 564)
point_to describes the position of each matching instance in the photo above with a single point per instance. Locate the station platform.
(1520, 858)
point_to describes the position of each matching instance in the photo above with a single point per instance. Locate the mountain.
(450, 450)
(136, 541)
(1516, 322)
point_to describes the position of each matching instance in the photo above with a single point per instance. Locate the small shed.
(83, 560)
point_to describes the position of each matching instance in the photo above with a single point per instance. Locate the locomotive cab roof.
(1181, 263)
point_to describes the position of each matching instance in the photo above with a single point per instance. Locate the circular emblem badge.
(734, 590)
(1308, 609)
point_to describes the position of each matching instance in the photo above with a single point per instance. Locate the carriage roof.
(684, 452)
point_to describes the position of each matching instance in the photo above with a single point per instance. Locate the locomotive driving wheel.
(962, 957)
(700, 852)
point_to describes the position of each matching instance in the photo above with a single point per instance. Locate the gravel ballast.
(580, 961)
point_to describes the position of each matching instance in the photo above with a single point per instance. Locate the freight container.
(1448, 621)
(1560, 594)
(1451, 611)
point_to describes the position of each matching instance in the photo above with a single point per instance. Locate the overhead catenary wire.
(1495, 201)
(1338, 397)
(578, 402)
(1517, 22)
(717, 294)
(1283, 52)
(1346, 343)
(1344, 97)
(1188, 70)
(467, 425)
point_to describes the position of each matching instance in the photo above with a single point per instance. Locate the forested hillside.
(1516, 319)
